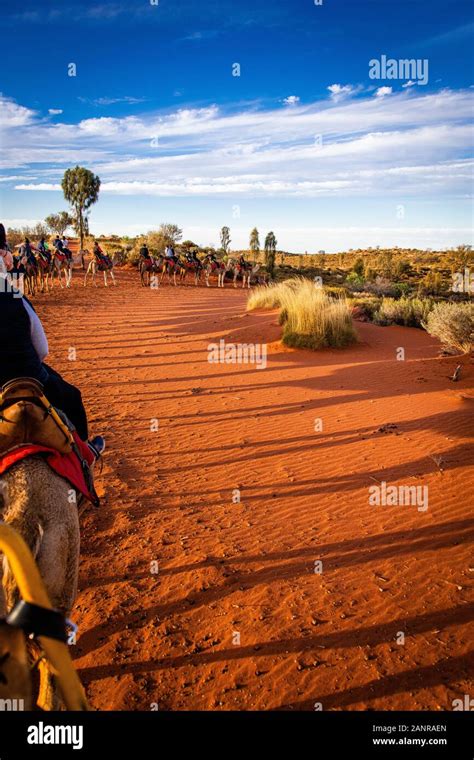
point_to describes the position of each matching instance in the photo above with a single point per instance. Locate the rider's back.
(18, 357)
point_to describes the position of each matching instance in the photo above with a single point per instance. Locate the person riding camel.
(242, 263)
(170, 254)
(24, 349)
(144, 252)
(101, 258)
(145, 256)
(27, 253)
(43, 250)
(59, 246)
(65, 248)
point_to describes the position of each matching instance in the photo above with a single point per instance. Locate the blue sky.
(303, 142)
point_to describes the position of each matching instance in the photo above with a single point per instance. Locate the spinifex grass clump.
(272, 297)
(310, 317)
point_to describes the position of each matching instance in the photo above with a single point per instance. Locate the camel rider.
(24, 348)
(170, 254)
(27, 253)
(242, 263)
(145, 253)
(65, 248)
(44, 251)
(100, 256)
(194, 258)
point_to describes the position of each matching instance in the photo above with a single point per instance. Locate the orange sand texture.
(231, 572)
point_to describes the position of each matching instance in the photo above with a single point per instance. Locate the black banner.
(374, 734)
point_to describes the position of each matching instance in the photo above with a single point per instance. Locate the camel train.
(153, 270)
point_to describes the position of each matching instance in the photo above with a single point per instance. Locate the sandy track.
(248, 568)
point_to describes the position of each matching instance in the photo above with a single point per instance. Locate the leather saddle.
(26, 416)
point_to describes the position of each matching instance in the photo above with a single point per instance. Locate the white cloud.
(14, 115)
(383, 91)
(109, 101)
(409, 143)
(291, 100)
(55, 111)
(339, 91)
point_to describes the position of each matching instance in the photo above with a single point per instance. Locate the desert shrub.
(311, 318)
(382, 287)
(403, 288)
(431, 284)
(453, 324)
(365, 306)
(410, 312)
(354, 281)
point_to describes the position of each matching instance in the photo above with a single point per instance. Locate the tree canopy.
(81, 189)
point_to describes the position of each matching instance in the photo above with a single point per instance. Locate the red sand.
(248, 568)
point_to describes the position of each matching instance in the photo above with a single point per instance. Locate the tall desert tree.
(225, 239)
(270, 251)
(254, 242)
(81, 189)
(59, 222)
(171, 233)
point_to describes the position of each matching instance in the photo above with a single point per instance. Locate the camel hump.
(26, 416)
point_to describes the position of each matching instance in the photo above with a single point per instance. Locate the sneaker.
(97, 446)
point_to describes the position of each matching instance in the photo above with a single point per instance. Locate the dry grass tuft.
(310, 317)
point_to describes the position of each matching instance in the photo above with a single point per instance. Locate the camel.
(30, 276)
(217, 267)
(171, 267)
(60, 265)
(45, 273)
(247, 274)
(95, 267)
(36, 503)
(193, 267)
(146, 272)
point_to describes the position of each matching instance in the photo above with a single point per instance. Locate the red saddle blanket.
(67, 466)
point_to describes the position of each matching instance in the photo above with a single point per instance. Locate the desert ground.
(237, 616)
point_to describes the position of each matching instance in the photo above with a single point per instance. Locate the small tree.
(225, 239)
(270, 251)
(156, 241)
(254, 243)
(460, 258)
(59, 222)
(81, 189)
(171, 233)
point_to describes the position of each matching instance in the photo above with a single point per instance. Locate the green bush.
(410, 312)
(453, 324)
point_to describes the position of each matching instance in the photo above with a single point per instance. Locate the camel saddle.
(26, 416)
